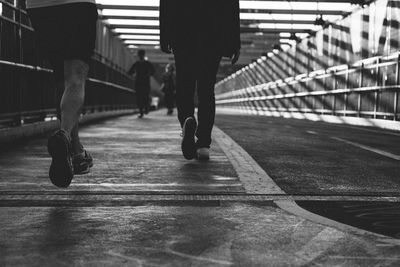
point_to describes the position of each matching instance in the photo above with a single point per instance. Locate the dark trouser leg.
(140, 102)
(185, 84)
(206, 111)
(169, 101)
(146, 101)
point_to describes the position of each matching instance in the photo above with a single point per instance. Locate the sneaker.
(203, 153)
(188, 145)
(61, 170)
(82, 162)
(140, 116)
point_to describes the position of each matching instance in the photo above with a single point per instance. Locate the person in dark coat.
(198, 33)
(168, 88)
(142, 69)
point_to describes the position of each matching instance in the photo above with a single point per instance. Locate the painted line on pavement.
(257, 181)
(368, 148)
(312, 132)
(368, 130)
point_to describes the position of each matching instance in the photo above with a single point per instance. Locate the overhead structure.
(264, 24)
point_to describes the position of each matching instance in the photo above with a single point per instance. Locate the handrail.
(25, 66)
(356, 65)
(112, 85)
(13, 7)
(318, 74)
(40, 69)
(309, 110)
(312, 93)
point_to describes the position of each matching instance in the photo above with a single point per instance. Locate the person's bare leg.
(61, 169)
(75, 73)
(77, 147)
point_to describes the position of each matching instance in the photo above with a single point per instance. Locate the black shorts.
(66, 31)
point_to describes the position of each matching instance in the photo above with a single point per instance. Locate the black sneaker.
(188, 144)
(61, 170)
(203, 154)
(82, 162)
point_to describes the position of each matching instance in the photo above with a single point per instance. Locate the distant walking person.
(168, 88)
(142, 69)
(198, 33)
(66, 34)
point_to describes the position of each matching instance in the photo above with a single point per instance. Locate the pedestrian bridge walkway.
(144, 205)
(131, 155)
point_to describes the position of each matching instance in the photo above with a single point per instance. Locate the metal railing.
(349, 68)
(369, 88)
(27, 91)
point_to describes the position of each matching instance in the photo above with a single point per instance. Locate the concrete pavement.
(144, 205)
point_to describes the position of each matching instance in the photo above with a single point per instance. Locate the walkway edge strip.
(291, 207)
(257, 181)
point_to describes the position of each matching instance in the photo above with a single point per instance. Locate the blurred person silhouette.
(168, 88)
(199, 34)
(142, 69)
(68, 42)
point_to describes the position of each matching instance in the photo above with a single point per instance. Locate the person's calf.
(75, 74)
(77, 147)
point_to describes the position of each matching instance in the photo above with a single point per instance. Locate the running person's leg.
(146, 100)
(70, 41)
(206, 110)
(169, 101)
(140, 101)
(185, 84)
(75, 74)
(185, 88)
(82, 160)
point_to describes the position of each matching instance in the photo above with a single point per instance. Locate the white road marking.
(133, 259)
(172, 252)
(312, 132)
(368, 148)
(364, 258)
(198, 258)
(369, 130)
(324, 240)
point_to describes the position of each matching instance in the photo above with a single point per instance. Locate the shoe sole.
(61, 170)
(188, 143)
(84, 171)
(83, 167)
(202, 158)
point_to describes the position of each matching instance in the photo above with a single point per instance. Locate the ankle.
(66, 133)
